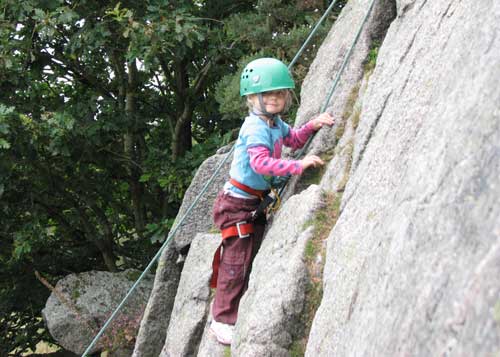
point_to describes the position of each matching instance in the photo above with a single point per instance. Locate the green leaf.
(200, 36)
(4, 144)
(151, 227)
(39, 15)
(163, 182)
(5, 111)
(22, 247)
(7, 63)
(158, 237)
(67, 16)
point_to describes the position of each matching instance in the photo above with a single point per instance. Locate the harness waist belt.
(245, 188)
(241, 229)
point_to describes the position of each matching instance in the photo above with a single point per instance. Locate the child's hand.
(311, 160)
(322, 119)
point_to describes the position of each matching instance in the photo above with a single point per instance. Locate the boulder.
(200, 218)
(81, 303)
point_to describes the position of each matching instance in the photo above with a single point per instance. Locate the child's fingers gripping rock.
(323, 119)
(311, 160)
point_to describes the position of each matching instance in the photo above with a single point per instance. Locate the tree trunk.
(132, 151)
(107, 253)
(102, 242)
(181, 142)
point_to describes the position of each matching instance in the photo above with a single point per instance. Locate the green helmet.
(263, 75)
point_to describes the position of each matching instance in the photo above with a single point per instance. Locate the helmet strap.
(263, 111)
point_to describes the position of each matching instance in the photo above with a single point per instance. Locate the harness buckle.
(239, 230)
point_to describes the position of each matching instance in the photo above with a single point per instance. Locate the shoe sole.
(220, 340)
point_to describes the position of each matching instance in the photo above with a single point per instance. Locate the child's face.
(274, 101)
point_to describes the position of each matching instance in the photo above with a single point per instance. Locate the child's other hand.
(322, 119)
(311, 160)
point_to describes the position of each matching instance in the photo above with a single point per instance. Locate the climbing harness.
(251, 191)
(242, 230)
(265, 202)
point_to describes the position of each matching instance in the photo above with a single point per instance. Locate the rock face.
(413, 263)
(270, 309)
(154, 324)
(81, 303)
(193, 298)
(209, 346)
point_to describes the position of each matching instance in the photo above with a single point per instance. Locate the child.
(266, 83)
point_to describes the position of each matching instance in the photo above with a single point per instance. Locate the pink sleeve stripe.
(296, 138)
(262, 163)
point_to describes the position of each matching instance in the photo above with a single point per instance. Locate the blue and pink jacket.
(257, 155)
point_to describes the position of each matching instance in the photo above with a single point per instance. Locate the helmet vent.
(265, 74)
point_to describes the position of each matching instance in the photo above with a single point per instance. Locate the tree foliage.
(106, 110)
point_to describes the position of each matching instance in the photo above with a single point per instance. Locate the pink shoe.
(223, 332)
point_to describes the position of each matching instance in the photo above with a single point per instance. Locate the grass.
(227, 351)
(322, 223)
(297, 350)
(214, 230)
(326, 217)
(133, 275)
(75, 293)
(371, 60)
(348, 111)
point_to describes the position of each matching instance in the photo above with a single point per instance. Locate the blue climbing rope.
(330, 94)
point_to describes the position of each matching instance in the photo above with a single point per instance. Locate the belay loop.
(275, 205)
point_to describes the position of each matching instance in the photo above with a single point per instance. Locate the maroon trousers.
(237, 255)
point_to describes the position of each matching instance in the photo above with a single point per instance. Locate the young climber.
(266, 83)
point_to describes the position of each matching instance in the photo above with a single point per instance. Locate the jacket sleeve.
(296, 138)
(262, 163)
